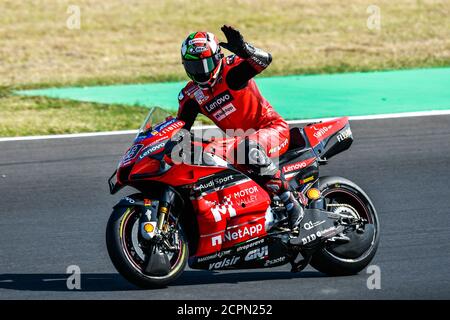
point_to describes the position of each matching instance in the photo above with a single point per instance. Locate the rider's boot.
(278, 185)
(273, 180)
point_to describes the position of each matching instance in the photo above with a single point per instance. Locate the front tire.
(127, 256)
(344, 191)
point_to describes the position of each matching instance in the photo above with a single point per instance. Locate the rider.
(223, 89)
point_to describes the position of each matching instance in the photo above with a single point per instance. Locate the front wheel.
(343, 196)
(129, 252)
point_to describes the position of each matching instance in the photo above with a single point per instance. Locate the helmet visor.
(201, 67)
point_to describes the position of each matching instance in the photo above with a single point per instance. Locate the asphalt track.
(54, 205)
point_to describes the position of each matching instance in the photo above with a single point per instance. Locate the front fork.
(154, 220)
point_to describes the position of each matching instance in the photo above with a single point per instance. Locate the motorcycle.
(211, 216)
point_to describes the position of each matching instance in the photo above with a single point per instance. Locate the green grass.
(138, 41)
(42, 116)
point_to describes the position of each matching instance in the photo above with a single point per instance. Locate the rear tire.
(116, 232)
(324, 260)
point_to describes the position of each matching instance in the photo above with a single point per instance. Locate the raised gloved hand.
(236, 43)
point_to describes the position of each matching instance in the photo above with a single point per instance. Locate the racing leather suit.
(235, 103)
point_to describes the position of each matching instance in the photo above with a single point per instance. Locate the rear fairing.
(329, 138)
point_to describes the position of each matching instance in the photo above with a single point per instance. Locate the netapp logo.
(247, 231)
(241, 233)
(219, 101)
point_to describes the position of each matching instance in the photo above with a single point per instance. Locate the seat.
(297, 140)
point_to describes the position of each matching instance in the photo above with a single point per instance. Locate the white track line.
(70, 135)
(111, 133)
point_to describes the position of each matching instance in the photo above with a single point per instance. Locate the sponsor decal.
(197, 49)
(347, 133)
(318, 234)
(259, 253)
(200, 96)
(219, 254)
(217, 182)
(321, 131)
(250, 245)
(225, 208)
(151, 149)
(220, 100)
(309, 225)
(247, 231)
(307, 179)
(197, 40)
(190, 89)
(165, 124)
(279, 147)
(274, 261)
(246, 192)
(297, 165)
(130, 200)
(132, 153)
(227, 262)
(294, 167)
(174, 125)
(221, 114)
(207, 258)
(246, 196)
(216, 240)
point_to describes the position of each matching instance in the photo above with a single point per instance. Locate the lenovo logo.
(219, 101)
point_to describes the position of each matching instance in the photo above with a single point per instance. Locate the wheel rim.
(364, 209)
(133, 246)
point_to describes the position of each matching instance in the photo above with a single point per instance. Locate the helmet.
(201, 58)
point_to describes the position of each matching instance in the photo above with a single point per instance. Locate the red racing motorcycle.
(209, 215)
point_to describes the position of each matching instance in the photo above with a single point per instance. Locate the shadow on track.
(114, 282)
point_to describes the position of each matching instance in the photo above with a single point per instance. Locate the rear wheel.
(129, 251)
(343, 196)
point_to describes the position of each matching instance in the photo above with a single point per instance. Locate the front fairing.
(146, 152)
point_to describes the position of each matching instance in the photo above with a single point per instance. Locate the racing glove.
(258, 58)
(236, 43)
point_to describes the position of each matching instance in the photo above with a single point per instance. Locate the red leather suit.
(235, 103)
